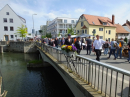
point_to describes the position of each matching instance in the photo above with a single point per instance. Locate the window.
(7, 13)
(11, 28)
(81, 17)
(109, 31)
(16, 35)
(60, 31)
(100, 29)
(109, 39)
(82, 31)
(77, 31)
(65, 21)
(101, 37)
(5, 28)
(5, 20)
(12, 36)
(104, 23)
(106, 31)
(11, 20)
(93, 23)
(72, 21)
(85, 31)
(82, 24)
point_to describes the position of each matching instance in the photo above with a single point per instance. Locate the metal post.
(89, 72)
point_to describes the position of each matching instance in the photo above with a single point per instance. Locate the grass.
(36, 61)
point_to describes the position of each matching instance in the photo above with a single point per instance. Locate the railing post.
(89, 73)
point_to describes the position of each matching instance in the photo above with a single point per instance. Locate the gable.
(12, 14)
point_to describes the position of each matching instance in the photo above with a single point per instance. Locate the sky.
(50, 9)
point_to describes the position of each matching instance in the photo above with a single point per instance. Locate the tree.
(21, 31)
(59, 34)
(40, 31)
(43, 37)
(125, 39)
(71, 31)
(48, 35)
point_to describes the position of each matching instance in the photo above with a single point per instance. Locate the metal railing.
(106, 79)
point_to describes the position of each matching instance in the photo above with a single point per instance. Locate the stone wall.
(21, 47)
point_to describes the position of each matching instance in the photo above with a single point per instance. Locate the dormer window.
(7, 13)
(104, 23)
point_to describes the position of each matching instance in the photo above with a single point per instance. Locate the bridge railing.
(106, 79)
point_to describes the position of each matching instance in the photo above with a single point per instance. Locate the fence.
(106, 79)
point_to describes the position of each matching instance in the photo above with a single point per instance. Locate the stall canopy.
(85, 35)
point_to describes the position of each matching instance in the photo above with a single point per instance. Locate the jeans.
(112, 51)
(129, 56)
(89, 48)
(106, 51)
(98, 54)
(119, 51)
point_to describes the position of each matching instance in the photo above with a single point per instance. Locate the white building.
(60, 25)
(44, 29)
(9, 21)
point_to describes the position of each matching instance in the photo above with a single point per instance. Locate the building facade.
(60, 25)
(126, 26)
(44, 29)
(9, 22)
(93, 25)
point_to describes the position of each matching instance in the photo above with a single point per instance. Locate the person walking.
(78, 45)
(56, 42)
(106, 47)
(62, 42)
(98, 47)
(119, 50)
(113, 45)
(68, 40)
(89, 45)
(128, 51)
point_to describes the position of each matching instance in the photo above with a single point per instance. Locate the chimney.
(113, 19)
(126, 21)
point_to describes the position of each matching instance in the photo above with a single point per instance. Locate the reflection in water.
(20, 82)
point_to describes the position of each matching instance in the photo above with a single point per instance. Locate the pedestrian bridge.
(86, 77)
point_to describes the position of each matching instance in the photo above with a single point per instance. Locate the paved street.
(121, 63)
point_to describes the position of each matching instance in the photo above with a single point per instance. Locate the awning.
(85, 35)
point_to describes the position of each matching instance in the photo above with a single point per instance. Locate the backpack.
(106, 45)
(120, 45)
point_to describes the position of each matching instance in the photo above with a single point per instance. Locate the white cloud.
(80, 10)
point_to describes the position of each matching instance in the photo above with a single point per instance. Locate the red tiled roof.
(94, 20)
(120, 29)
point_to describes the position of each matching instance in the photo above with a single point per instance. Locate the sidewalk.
(121, 63)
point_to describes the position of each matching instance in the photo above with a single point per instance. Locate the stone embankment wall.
(21, 47)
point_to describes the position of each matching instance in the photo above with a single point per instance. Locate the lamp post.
(33, 25)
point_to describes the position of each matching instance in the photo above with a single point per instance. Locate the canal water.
(21, 82)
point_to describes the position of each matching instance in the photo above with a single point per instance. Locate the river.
(22, 82)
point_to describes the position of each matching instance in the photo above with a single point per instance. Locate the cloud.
(80, 10)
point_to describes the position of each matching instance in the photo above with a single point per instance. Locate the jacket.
(67, 42)
(77, 45)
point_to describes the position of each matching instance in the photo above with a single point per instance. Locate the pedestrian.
(56, 42)
(128, 51)
(98, 47)
(78, 45)
(62, 42)
(89, 45)
(119, 51)
(113, 45)
(106, 47)
(68, 40)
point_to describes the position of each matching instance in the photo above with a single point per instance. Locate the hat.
(69, 34)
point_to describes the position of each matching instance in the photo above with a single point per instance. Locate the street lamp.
(33, 25)
(33, 19)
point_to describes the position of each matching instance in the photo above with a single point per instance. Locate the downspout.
(104, 33)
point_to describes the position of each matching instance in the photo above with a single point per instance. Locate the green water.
(21, 82)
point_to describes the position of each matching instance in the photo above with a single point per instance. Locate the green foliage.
(36, 61)
(40, 31)
(43, 37)
(21, 31)
(125, 40)
(48, 35)
(71, 31)
(59, 34)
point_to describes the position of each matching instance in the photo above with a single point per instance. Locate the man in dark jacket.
(78, 45)
(68, 41)
(62, 42)
(56, 42)
(89, 45)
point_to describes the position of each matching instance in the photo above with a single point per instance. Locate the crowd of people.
(96, 45)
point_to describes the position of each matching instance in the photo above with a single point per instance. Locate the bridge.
(87, 77)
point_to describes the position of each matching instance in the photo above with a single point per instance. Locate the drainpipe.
(104, 33)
